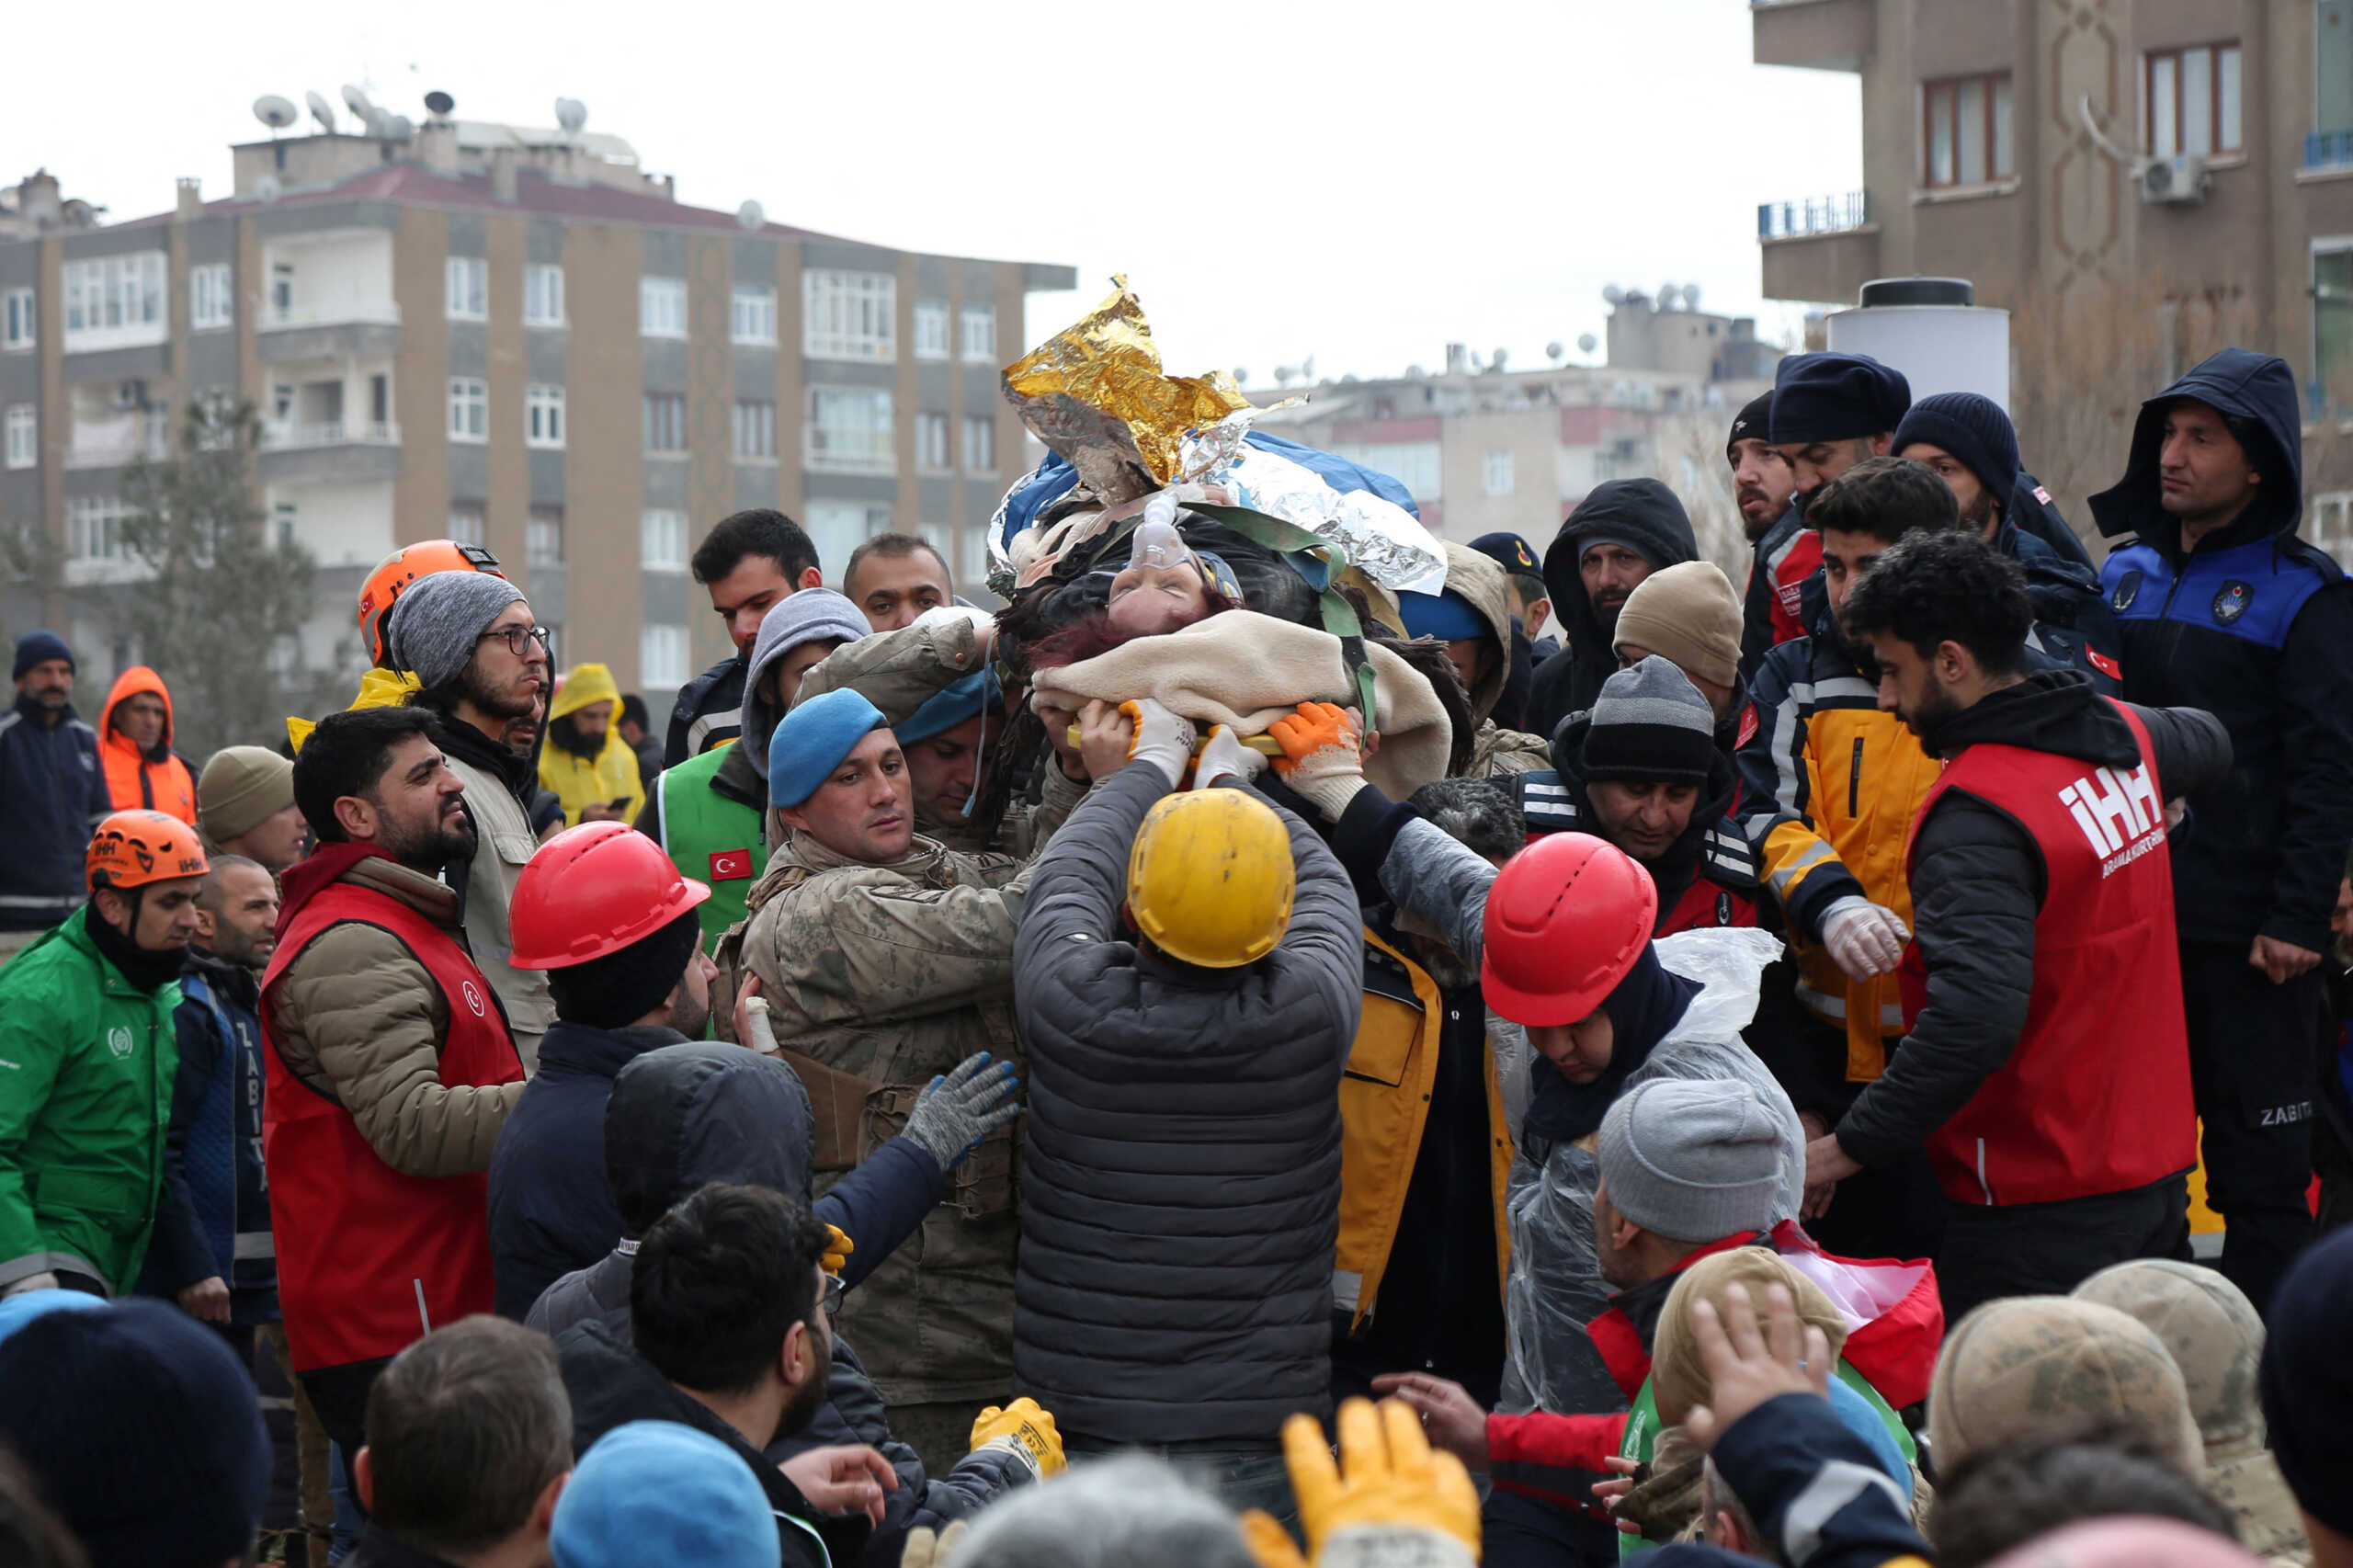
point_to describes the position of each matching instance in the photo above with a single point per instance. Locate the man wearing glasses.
(482, 662)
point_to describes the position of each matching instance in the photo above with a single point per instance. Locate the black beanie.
(1752, 423)
(617, 990)
(1836, 397)
(1650, 724)
(1974, 429)
(2307, 1379)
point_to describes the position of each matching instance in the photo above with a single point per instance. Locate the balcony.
(832, 448)
(2328, 151)
(1814, 35)
(288, 436)
(110, 443)
(327, 329)
(1822, 248)
(1813, 215)
(297, 451)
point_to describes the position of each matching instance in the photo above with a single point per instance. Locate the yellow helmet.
(1210, 880)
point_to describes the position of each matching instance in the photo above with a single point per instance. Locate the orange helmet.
(405, 566)
(133, 849)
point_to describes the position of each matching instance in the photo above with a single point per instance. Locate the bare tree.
(1690, 461)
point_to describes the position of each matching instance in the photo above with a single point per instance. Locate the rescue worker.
(1621, 532)
(135, 739)
(245, 805)
(481, 660)
(1472, 617)
(86, 1063)
(2047, 1070)
(1188, 982)
(894, 577)
(391, 1067)
(56, 791)
(591, 770)
(2221, 605)
(1763, 485)
(380, 685)
(752, 560)
(886, 959)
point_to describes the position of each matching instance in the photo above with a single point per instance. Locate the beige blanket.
(1247, 670)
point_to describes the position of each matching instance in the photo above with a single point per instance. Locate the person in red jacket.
(2046, 1063)
(135, 742)
(391, 1068)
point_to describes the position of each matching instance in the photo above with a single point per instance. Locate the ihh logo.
(2114, 809)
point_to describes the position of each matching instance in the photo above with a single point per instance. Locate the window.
(210, 301)
(2194, 100)
(980, 332)
(931, 329)
(24, 435)
(542, 416)
(662, 307)
(284, 518)
(1497, 472)
(2330, 516)
(751, 314)
(115, 301)
(849, 316)
(469, 289)
(837, 528)
(850, 431)
(1414, 465)
(661, 655)
(543, 296)
(756, 430)
(543, 537)
(665, 422)
(94, 527)
(466, 526)
(469, 408)
(281, 288)
(931, 441)
(661, 541)
(980, 444)
(18, 332)
(2333, 325)
(1966, 132)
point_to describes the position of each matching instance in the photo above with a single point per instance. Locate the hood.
(2258, 389)
(377, 688)
(814, 613)
(1642, 513)
(2052, 710)
(2213, 1334)
(1478, 582)
(1674, 871)
(130, 683)
(583, 684)
(2034, 1370)
(701, 1112)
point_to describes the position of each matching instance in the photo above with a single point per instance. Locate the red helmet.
(133, 849)
(591, 891)
(405, 566)
(1566, 918)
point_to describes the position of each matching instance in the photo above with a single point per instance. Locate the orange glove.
(1322, 758)
(1397, 1502)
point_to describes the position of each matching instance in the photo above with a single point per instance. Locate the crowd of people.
(1030, 1087)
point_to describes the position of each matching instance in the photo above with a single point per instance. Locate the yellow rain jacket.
(581, 782)
(377, 688)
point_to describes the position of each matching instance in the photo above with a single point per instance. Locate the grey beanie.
(1649, 724)
(438, 618)
(1693, 1159)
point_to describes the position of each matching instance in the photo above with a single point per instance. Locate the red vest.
(370, 1260)
(2095, 1097)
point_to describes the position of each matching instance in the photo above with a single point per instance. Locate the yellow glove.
(839, 1247)
(1396, 1501)
(927, 1548)
(1026, 1428)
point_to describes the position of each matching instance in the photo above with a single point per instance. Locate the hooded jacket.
(2256, 626)
(57, 794)
(1644, 515)
(156, 779)
(1477, 580)
(583, 781)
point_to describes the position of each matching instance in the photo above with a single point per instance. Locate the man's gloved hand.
(1866, 938)
(839, 1246)
(41, 1281)
(927, 1548)
(1322, 758)
(1226, 757)
(956, 1112)
(1025, 1428)
(1163, 738)
(1397, 1504)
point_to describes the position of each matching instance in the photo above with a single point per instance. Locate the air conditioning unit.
(2175, 181)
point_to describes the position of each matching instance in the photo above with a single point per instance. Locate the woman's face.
(1147, 601)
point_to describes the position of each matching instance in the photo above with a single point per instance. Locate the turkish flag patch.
(2104, 664)
(731, 865)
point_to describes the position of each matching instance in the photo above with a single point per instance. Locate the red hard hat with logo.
(593, 890)
(133, 849)
(405, 566)
(1566, 918)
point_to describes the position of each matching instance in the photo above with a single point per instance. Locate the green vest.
(712, 839)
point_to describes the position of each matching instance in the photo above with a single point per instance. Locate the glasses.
(519, 640)
(833, 1289)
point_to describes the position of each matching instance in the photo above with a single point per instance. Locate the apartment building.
(511, 336)
(2138, 181)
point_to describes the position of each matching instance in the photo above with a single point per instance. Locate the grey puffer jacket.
(1180, 1202)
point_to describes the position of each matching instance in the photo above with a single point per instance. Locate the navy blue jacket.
(709, 711)
(214, 1218)
(2255, 626)
(56, 794)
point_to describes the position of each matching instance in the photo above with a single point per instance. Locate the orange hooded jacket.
(144, 783)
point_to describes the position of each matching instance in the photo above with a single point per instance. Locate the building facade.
(515, 338)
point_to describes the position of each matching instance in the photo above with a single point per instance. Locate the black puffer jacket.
(1180, 1202)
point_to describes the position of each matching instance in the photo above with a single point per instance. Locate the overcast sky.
(1278, 179)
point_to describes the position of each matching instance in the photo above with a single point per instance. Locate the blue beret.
(1836, 397)
(811, 741)
(1447, 616)
(950, 706)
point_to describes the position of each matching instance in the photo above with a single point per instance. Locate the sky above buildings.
(1361, 184)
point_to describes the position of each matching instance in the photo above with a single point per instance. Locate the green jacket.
(87, 1064)
(711, 836)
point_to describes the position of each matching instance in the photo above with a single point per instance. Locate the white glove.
(41, 1281)
(1864, 938)
(1226, 757)
(1163, 738)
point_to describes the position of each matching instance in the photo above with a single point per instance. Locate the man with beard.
(731, 1332)
(2046, 1067)
(56, 794)
(1620, 533)
(481, 661)
(1762, 485)
(391, 1068)
(586, 764)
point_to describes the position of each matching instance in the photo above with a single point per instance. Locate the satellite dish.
(357, 102)
(751, 215)
(1587, 342)
(571, 114)
(1415, 373)
(393, 128)
(267, 189)
(1241, 376)
(439, 103)
(1613, 295)
(321, 111)
(1495, 360)
(1553, 351)
(273, 112)
(1691, 296)
(1666, 296)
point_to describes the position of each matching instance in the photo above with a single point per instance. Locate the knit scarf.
(1647, 1003)
(148, 972)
